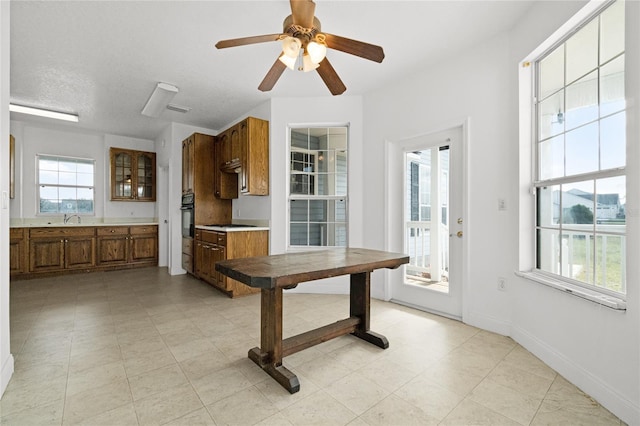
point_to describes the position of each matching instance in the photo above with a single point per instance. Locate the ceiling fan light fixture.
(317, 50)
(288, 61)
(291, 46)
(308, 64)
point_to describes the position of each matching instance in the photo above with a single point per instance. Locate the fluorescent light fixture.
(159, 99)
(43, 113)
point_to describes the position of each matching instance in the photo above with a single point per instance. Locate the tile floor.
(140, 347)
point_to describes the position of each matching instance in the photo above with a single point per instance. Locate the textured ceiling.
(102, 59)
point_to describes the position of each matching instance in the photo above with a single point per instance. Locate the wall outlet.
(502, 284)
(502, 204)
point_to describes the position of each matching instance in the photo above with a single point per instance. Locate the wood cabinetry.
(254, 156)
(214, 246)
(244, 150)
(187, 254)
(225, 184)
(59, 250)
(18, 253)
(133, 175)
(198, 177)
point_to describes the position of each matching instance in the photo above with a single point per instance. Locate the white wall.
(6, 359)
(33, 139)
(592, 346)
(338, 110)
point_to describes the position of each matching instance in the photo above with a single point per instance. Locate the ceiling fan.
(304, 47)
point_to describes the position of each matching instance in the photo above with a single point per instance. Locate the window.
(580, 178)
(65, 185)
(318, 187)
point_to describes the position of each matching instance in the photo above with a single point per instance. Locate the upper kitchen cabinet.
(225, 185)
(188, 159)
(244, 150)
(133, 175)
(254, 156)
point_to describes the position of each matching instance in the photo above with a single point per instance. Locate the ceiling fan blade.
(302, 12)
(355, 47)
(247, 40)
(330, 77)
(272, 76)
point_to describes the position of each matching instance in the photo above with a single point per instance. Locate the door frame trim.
(389, 212)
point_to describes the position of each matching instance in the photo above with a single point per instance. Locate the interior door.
(429, 225)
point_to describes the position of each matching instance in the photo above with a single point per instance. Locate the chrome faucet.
(66, 218)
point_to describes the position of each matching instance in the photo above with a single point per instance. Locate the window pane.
(613, 142)
(548, 250)
(611, 200)
(551, 158)
(612, 87)
(48, 206)
(551, 116)
(582, 150)
(85, 179)
(582, 101)
(85, 167)
(47, 164)
(577, 256)
(582, 52)
(299, 210)
(85, 206)
(612, 31)
(49, 192)
(552, 72)
(67, 166)
(67, 178)
(48, 177)
(578, 205)
(610, 262)
(67, 193)
(548, 206)
(318, 211)
(85, 194)
(298, 234)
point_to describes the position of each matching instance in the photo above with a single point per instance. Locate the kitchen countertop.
(76, 225)
(234, 228)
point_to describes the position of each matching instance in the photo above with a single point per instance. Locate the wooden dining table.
(272, 274)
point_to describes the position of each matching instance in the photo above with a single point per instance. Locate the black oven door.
(187, 220)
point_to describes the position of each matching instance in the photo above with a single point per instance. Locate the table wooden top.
(285, 270)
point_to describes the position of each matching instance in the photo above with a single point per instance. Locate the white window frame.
(528, 167)
(92, 187)
(290, 197)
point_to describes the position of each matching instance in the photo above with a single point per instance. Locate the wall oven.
(188, 225)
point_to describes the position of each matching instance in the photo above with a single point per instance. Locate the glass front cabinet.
(133, 176)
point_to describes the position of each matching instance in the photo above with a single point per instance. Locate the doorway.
(428, 184)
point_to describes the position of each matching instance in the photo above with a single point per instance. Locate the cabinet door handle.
(113, 230)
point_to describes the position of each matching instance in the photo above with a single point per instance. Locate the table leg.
(360, 306)
(269, 355)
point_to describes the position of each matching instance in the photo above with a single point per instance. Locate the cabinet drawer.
(113, 230)
(209, 236)
(62, 232)
(222, 238)
(198, 235)
(15, 233)
(139, 230)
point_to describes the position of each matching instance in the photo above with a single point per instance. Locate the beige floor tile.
(90, 403)
(200, 417)
(472, 413)
(220, 384)
(156, 381)
(246, 407)
(319, 408)
(395, 411)
(182, 345)
(49, 414)
(356, 392)
(94, 377)
(168, 405)
(120, 416)
(429, 397)
(518, 407)
(519, 380)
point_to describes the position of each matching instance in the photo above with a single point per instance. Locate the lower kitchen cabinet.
(18, 253)
(59, 250)
(214, 246)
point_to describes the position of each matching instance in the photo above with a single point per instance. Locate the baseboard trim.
(488, 323)
(608, 397)
(5, 375)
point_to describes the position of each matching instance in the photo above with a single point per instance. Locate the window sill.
(592, 296)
